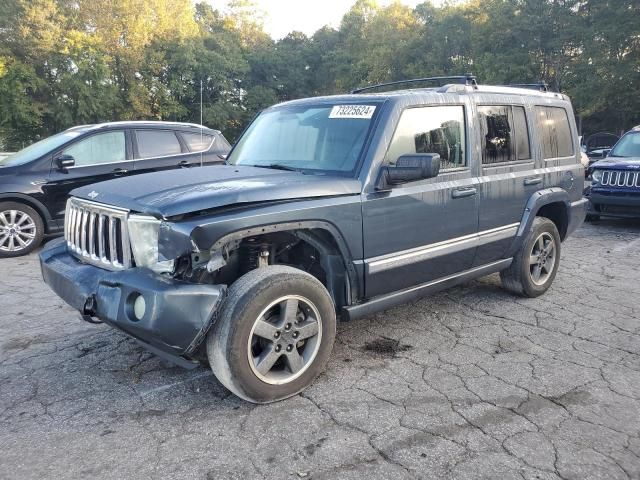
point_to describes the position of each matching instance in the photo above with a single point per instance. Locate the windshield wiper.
(278, 166)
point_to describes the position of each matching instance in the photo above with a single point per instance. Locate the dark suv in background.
(35, 182)
(615, 180)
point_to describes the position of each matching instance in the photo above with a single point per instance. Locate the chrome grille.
(621, 178)
(98, 234)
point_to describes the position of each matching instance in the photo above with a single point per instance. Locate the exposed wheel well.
(313, 250)
(558, 214)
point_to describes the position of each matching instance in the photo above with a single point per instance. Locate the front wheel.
(535, 265)
(274, 335)
(21, 229)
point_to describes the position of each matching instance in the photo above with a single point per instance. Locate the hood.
(178, 192)
(618, 163)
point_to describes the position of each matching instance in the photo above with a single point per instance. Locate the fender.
(538, 200)
(174, 243)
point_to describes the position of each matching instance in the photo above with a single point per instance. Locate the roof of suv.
(145, 124)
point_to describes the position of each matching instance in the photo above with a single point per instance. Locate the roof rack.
(541, 86)
(467, 79)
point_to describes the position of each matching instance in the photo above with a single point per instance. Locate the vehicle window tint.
(157, 143)
(523, 149)
(555, 132)
(197, 142)
(106, 147)
(438, 130)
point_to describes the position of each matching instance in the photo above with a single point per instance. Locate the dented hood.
(178, 192)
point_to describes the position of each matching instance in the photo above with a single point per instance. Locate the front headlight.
(144, 232)
(596, 176)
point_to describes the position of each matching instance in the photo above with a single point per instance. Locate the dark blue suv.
(615, 188)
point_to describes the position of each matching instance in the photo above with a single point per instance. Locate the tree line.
(71, 62)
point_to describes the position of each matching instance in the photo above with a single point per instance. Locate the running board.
(390, 300)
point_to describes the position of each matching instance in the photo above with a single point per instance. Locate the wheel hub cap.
(543, 258)
(17, 230)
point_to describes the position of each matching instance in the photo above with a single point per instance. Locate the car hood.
(618, 163)
(178, 192)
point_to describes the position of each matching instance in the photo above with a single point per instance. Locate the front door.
(98, 157)
(424, 230)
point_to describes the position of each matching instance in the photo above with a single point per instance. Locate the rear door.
(98, 157)
(423, 230)
(161, 149)
(509, 175)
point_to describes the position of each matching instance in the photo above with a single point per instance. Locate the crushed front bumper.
(177, 315)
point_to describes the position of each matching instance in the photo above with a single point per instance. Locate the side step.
(385, 302)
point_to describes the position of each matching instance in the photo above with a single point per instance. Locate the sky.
(284, 16)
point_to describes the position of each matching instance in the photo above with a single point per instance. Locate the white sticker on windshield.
(352, 111)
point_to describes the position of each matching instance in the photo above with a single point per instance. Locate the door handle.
(532, 181)
(464, 192)
(120, 171)
(184, 163)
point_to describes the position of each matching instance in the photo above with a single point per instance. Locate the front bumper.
(177, 315)
(614, 204)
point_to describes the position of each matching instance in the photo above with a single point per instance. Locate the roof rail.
(541, 86)
(467, 79)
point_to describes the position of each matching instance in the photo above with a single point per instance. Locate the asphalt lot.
(470, 383)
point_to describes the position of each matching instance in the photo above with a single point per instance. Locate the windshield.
(628, 146)
(326, 138)
(32, 152)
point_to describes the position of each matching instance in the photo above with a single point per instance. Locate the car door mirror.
(605, 152)
(64, 162)
(412, 167)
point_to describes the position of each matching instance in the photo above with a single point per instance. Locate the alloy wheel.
(285, 340)
(542, 259)
(17, 230)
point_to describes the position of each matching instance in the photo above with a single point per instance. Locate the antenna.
(201, 126)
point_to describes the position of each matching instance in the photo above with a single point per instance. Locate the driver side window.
(108, 147)
(438, 130)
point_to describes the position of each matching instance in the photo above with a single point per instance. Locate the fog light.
(139, 307)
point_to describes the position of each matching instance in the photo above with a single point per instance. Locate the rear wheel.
(21, 229)
(535, 265)
(274, 335)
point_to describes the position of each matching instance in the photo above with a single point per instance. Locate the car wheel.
(592, 218)
(274, 335)
(21, 229)
(535, 265)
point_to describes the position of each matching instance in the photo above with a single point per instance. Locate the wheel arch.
(342, 279)
(38, 206)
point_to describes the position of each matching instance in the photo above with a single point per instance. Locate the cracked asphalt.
(469, 383)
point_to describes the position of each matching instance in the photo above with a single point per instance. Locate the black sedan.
(36, 181)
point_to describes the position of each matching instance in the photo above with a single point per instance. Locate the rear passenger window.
(555, 132)
(438, 130)
(197, 142)
(505, 135)
(157, 143)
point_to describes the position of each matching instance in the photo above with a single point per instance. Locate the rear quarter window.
(198, 142)
(554, 131)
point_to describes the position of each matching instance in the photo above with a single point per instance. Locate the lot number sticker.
(352, 111)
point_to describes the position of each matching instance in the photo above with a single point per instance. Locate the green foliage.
(64, 63)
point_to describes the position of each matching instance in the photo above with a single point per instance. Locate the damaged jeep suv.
(327, 207)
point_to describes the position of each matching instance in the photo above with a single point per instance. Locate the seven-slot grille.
(98, 234)
(621, 178)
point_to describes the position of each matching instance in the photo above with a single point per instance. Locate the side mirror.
(65, 161)
(412, 167)
(605, 152)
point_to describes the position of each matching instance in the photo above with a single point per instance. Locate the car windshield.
(315, 139)
(628, 146)
(36, 150)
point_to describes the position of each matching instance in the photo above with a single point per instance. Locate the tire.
(238, 340)
(21, 229)
(592, 218)
(520, 277)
